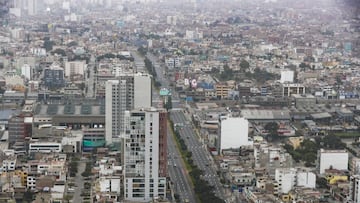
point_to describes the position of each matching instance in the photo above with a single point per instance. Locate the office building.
(127, 92)
(93, 138)
(145, 155)
(54, 77)
(20, 127)
(75, 68)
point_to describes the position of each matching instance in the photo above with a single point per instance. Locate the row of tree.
(203, 190)
(150, 67)
(73, 166)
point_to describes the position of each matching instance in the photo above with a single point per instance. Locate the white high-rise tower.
(127, 92)
(145, 157)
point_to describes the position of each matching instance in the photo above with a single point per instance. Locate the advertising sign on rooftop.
(164, 92)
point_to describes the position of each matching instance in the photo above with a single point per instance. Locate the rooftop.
(70, 109)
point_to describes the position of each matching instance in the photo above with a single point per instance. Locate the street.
(177, 171)
(79, 182)
(90, 78)
(176, 167)
(200, 154)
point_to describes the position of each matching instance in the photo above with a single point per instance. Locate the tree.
(72, 44)
(272, 129)
(168, 104)
(227, 74)
(48, 45)
(332, 142)
(244, 65)
(142, 51)
(322, 183)
(59, 52)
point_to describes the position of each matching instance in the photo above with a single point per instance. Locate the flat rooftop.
(259, 114)
(69, 109)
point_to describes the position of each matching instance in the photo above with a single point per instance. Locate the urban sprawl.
(192, 101)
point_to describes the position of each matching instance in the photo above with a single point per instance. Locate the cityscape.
(179, 101)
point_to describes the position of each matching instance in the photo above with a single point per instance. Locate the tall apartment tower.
(127, 92)
(354, 193)
(145, 155)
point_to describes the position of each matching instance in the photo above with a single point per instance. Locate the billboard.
(164, 92)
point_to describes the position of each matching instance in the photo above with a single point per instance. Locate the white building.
(144, 140)
(26, 71)
(355, 166)
(110, 184)
(73, 68)
(33, 7)
(354, 193)
(8, 165)
(126, 93)
(142, 91)
(335, 159)
(287, 76)
(31, 182)
(290, 89)
(288, 178)
(115, 98)
(37, 51)
(306, 179)
(234, 132)
(45, 147)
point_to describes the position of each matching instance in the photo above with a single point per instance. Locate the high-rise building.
(73, 68)
(354, 193)
(34, 7)
(20, 128)
(127, 92)
(54, 77)
(144, 155)
(26, 71)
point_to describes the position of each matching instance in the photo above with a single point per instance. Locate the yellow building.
(287, 198)
(23, 176)
(222, 89)
(295, 141)
(333, 179)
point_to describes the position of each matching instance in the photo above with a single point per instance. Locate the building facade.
(73, 68)
(93, 138)
(332, 159)
(123, 94)
(354, 193)
(145, 156)
(20, 127)
(234, 132)
(290, 89)
(54, 77)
